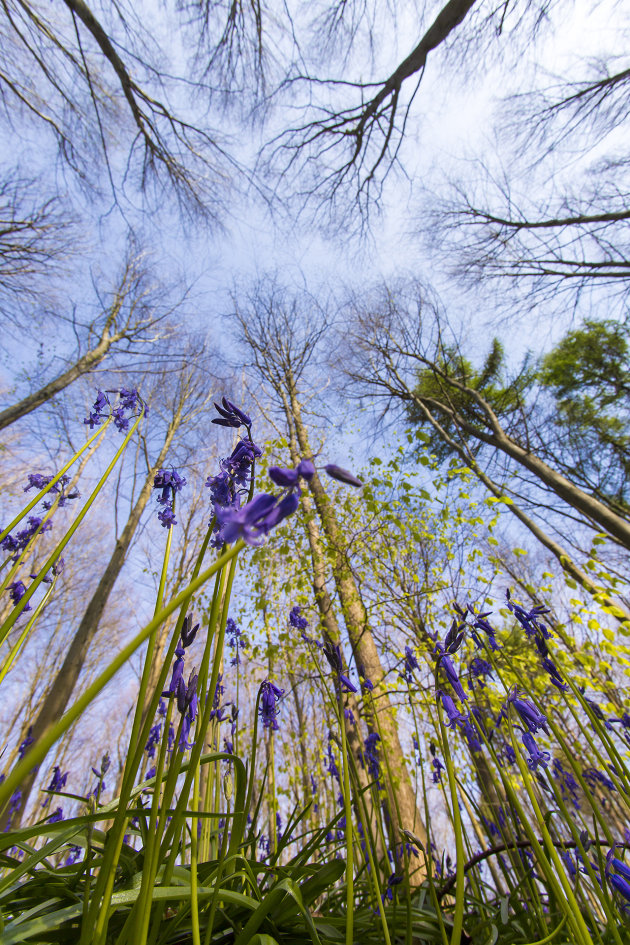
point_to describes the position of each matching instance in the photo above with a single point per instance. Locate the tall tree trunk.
(587, 505)
(401, 806)
(332, 634)
(617, 608)
(61, 690)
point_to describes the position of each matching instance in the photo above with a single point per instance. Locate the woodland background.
(397, 235)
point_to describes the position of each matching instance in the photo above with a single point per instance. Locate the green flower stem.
(106, 878)
(38, 752)
(606, 740)
(217, 885)
(149, 656)
(202, 721)
(22, 557)
(347, 803)
(40, 495)
(563, 889)
(458, 917)
(154, 854)
(17, 646)
(56, 554)
(194, 900)
(603, 900)
(578, 774)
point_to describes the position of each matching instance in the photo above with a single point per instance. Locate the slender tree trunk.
(588, 506)
(332, 634)
(402, 808)
(618, 609)
(61, 690)
(84, 365)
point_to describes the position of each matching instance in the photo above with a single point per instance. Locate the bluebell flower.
(188, 632)
(536, 757)
(178, 671)
(26, 743)
(371, 755)
(569, 862)
(332, 764)
(235, 640)
(255, 520)
(569, 787)
(15, 802)
(455, 636)
(480, 622)
(619, 879)
(97, 413)
(411, 663)
(286, 478)
(393, 881)
(296, 620)
(437, 765)
(451, 674)
(471, 735)
(153, 740)
(478, 669)
(531, 717)
(74, 854)
(342, 475)
(306, 469)
(230, 415)
(332, 652)
(17, 590)
(454, 715)
(56, 816)
(269, 698)
(166, 517)
(509, 753)
(57, 783)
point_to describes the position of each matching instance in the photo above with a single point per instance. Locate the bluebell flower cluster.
(296, 619)
(169, 483)
(40, 481)
(301, 623)
(478, 670)
(270, 696)
(410, 664)
(232, 483)
(128, 403)
(15, 544)
(436, 764)
(187, 706)
(185, 693)
(57, 783)
(371, 756)
(569, 787)
(236, 641)
(16, 591)
(539, 633)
